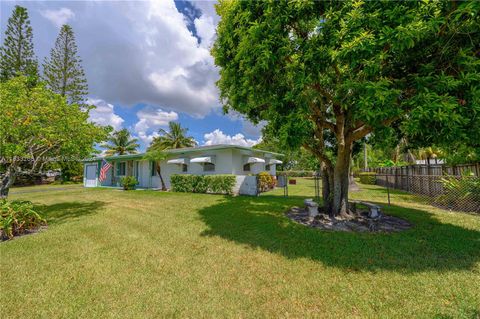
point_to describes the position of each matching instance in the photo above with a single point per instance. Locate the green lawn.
(146, 254)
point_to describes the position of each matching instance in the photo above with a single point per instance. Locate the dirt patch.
(358, 223)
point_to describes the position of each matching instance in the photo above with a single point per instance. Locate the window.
(246, 167)
(121, 168)
(267, 167)
(208, 167)
(184, 168)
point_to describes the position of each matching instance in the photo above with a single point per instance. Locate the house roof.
(184, 150)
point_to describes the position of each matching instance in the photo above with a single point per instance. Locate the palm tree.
(156, 155)
(121, 143)
(175, 137)
(428, 153)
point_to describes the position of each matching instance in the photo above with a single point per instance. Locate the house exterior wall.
(144, 174)
(227, 161)
(221, 158)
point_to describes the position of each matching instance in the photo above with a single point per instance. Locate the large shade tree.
(325, 74)
(39, 127)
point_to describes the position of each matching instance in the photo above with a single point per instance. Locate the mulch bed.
(26, 232)
(358, 223)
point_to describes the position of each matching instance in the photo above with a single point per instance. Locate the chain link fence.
(452, 188)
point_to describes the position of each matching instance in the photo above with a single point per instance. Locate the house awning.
(252, 160)
(275, 161)
(176, 161)
(206, 159)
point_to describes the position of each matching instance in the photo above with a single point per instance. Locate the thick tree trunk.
(6, 181)
(341, 180)
(159, 172)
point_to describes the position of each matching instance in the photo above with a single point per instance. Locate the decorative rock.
(311, 207)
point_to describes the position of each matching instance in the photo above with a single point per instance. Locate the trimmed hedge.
(216, 184)
(368, 178)
(296, 173)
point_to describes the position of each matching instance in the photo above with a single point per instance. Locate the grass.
(109, 253)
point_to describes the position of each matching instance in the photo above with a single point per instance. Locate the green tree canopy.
(38, 127)
(16, 54)
(63, 71)
(120, 143)
(175, 137)
(324, 74)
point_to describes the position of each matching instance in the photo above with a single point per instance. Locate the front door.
(91, 175)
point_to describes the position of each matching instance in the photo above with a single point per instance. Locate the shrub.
(265, 181)
(128, 182)
(461, 193)
(221, 184)
(182, 183)
(296, 173)
(199, 184)
(217, 184)
(368, 178)
(18, 217)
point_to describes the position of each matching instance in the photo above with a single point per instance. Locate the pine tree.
(16, 54)
(63, 71)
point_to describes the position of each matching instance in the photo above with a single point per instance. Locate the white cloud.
(218, 137)
(150, 120)
(145, 53)
(140, 52)
(206, 30)
(104, 114)
(58, 17)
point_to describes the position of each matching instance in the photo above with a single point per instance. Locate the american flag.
(103, 171)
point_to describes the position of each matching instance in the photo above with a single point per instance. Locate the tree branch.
(364, 129)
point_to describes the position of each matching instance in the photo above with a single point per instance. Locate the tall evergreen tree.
(63, 71)
(16, 54)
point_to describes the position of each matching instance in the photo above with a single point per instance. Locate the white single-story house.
(202, 160)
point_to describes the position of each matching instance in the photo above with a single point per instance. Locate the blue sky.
(146, 62)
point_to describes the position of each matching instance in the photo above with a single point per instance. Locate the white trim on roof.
(186, 150)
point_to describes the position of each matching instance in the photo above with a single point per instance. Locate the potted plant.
(128, 182)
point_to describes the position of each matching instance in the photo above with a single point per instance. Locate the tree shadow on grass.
(259, 222)
(66, 211)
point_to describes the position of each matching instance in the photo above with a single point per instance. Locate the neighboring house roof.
(184, 150)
